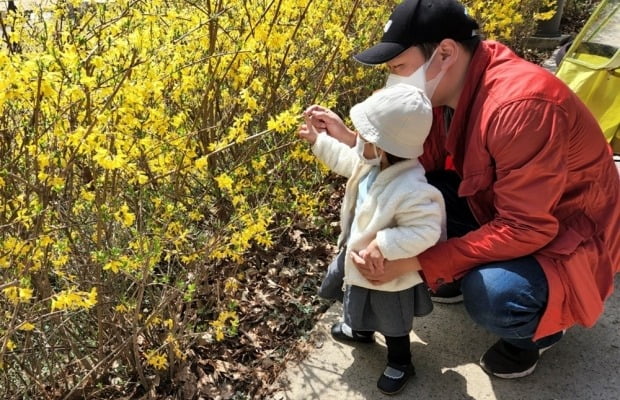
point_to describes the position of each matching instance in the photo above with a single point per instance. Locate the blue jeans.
(508, 298)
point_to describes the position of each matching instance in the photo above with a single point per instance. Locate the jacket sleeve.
(338, 156)
(528, 144)
(418, 225)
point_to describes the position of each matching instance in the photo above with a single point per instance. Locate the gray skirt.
(389, 313)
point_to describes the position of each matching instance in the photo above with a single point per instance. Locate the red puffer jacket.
(539, 178)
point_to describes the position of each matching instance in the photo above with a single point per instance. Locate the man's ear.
(448, 50)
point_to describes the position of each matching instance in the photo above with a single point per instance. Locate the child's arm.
(418, 226)
(338, 156)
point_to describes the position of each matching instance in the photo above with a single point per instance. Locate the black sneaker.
(395, 377)
(450, 293)
(343, 333)
(509, 362)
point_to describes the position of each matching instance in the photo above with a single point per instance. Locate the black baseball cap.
(415, 22)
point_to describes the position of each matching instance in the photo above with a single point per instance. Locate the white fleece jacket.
(405, 213)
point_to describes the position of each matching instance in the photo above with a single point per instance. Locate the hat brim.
(380, 53)
(361, 123)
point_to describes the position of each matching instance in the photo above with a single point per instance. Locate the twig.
(95, 368)
(8, 284)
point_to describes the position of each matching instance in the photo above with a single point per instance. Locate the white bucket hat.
(397, 119)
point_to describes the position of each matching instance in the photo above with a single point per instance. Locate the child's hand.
(307, 131)
(373, 257)
(324, 119)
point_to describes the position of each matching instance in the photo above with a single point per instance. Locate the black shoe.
(343, 333)
(395, 377)
(450, 293)
(507, 361)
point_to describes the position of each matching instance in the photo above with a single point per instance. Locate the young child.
(389, 211)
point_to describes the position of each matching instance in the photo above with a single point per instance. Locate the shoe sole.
(350, 340)
(516, 375)
(513, 375)
(393, 393)
(398, 391)
(448, 300)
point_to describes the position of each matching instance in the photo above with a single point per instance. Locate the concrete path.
(446, 346)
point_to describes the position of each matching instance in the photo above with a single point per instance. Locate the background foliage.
(150, 175)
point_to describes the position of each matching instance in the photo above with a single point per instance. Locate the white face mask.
(418, 78)
(359, 149)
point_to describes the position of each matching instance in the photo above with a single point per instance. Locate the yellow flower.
(219, 334)
(227, 321)
(113, 266)
(47, 89)
(121, 308)
(110, 161)
(201, 162)
(91, 298)
(142, 178)
(74, 300)
(231, 285)
(11, 293)
(239, 201)
(43, 160)
(124, 216)
(98, 62)
(25, 295)
(153, 321)
(60, 260)
(174, 344)
(10, 345)
(57, 182)
(88, 81)
(45, 240)
(195, 215)
(26, 326)
(224, 182)
(285, 121)
(156, 360)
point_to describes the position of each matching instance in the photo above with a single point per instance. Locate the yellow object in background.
(591, 68)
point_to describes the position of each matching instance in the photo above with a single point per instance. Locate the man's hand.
(324, 119)
(373, 257)
(392, 269)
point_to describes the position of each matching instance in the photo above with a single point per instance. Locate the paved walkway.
(446, 346)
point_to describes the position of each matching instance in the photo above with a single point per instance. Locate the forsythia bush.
(510, 21)
(146, 146)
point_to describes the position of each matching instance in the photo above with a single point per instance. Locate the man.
(533, 201)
